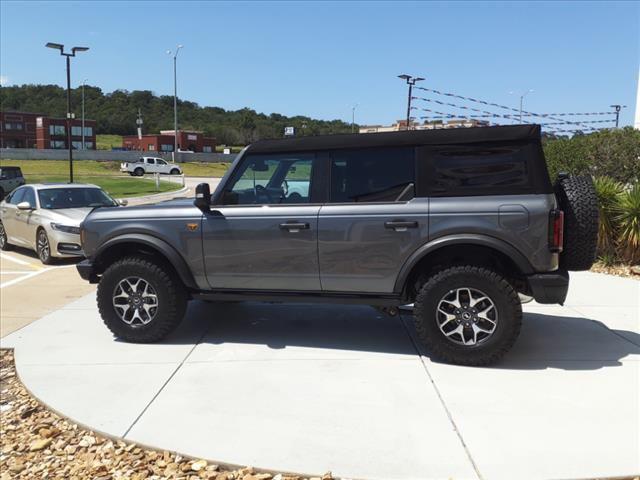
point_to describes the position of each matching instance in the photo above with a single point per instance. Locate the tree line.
(116, 113)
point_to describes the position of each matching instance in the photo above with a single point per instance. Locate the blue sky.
(319, 59)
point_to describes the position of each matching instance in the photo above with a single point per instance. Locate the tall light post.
(175, 100)
(522, 101)
(83, 84)
(353, 117)
(411, 81)
(60, 47)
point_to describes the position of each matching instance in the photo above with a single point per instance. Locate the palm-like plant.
(628, 220)
(608, 191)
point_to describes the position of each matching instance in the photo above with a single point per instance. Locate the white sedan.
(150, 165)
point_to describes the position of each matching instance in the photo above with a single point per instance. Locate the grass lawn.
(106, 142)
(118, 187)
(90, 167)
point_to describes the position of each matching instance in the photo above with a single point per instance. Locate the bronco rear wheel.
(141, 300)
(468, 315)
(578, 199)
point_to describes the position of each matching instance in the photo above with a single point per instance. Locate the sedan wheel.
(43, 248)
(4, 244)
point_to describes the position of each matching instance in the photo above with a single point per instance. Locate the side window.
(151, 161)
(29, 196)
(17, 196)
(272, 180)
(160, 162)
(480, 170)
(372, 175)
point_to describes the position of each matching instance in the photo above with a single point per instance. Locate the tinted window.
(271, 179)
(17, 196)
(29, 196)
(372, 175)
(151, 161)
(470, 170)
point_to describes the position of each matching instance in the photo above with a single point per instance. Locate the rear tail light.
(556, 230)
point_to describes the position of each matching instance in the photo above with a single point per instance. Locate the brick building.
(35, 130)
(18, 129)
(187, 140)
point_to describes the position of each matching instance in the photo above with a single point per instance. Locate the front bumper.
(549, 287)
(86, 271)
(64, 244)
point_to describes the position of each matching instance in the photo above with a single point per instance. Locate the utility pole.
(83, 84)
(139, 123)
(60, 47)
(411, 81)
(617, 110)
(175, 101)
(522, 101)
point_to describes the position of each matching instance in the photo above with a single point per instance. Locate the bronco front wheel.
(141, 300)
(468, 315)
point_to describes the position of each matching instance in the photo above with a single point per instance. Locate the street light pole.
(60, 47)
(175, 100)
(411, 81)
(617, 109)
(522, 101)
(83, 83)
(353, 117)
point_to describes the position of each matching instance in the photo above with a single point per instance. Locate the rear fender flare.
(501, 246)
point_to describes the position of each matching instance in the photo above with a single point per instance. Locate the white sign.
(227, 151)
(289, 131)
(192, 137)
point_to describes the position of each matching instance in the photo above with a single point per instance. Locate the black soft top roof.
(405, 138)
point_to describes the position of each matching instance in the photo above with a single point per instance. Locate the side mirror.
(24, 206)
(123, 202)
(203, 197)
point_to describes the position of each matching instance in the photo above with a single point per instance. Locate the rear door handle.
(294, 227)
(400, 225)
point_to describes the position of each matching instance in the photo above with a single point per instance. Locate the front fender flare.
(170, 253)
(501, 246)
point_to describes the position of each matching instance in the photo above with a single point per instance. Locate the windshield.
(56, 198)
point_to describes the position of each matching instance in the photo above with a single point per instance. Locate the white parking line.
(4, 256)
(28, 275)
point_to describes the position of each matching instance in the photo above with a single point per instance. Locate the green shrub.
(608, 191)
(628, 223)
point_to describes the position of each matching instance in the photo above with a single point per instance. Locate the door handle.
(294, 227)
(400, 225)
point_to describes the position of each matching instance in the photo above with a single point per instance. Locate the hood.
(182, 207)
(68, 216)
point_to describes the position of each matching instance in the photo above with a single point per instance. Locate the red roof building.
(191, 140)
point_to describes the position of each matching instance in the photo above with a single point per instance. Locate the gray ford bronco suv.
(464, 224)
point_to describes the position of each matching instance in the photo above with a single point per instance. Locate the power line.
(497, 105)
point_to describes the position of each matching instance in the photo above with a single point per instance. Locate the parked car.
(46, 217)
(150, 165)
(10, 179)
(462, 223)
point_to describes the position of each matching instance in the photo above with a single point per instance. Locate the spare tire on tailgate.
(577, 198)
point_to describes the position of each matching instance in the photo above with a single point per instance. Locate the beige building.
(436, 125)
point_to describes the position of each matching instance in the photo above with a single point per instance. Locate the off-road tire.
(138, 172)
(579, 202)
(174, 171)
(493, 285)
(172, 299)
(5, 246)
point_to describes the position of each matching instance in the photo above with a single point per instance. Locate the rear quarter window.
(482, 170)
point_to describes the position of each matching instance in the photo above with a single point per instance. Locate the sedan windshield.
(57, 198)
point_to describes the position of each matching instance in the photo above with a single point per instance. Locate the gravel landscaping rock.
(37, 443)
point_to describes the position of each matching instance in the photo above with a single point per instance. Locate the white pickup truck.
(150, 165)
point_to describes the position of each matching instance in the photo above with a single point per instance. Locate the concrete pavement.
(315, 388)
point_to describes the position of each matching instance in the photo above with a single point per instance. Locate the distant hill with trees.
(116, 113)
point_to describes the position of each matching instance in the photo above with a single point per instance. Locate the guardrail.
(109, 156)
